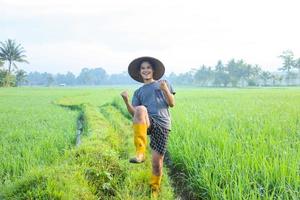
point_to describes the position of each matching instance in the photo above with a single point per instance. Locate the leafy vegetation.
(12, 53)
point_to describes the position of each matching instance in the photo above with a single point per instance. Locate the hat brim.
(134, 68)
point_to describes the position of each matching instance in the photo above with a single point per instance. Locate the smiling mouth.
(146, 74)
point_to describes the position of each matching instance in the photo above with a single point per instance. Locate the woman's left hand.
(163, 85)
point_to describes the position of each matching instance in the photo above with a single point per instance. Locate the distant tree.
(172, 77)
(3, 74)
(7, 79)
(59, 79)
(280, 79)
(265, 76)
(247, 72)
(84, 77)
(1, 63)
(99, 76)
(233, 72)
(287, 63)
(221, 77)
(94, 76)
(70, 78)
(186, 78)
(20, 77)
(275, 79)
(203, 75)
(297, 66)
(35, 78)
(254, 73)
(243, 71)
(49, 78)
(12, 52)
(120, 78)
(220, 69)
(293, 78)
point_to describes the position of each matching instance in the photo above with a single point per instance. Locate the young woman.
(150, 111)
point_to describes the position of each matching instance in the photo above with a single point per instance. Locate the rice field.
(228, 143)
(33, 130)
(238, 144)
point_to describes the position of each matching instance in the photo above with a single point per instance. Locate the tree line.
(238, 73)
(87, 77)
(234, 73)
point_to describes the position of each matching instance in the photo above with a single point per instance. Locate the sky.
(68, 35)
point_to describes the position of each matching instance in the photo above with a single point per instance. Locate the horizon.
(166, 74)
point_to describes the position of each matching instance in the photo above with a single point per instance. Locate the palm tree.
(12, 52)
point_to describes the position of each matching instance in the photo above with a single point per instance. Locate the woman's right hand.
(125, 96)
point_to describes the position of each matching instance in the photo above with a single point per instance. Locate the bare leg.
(157, 166)
(141, 116)
(157, 163)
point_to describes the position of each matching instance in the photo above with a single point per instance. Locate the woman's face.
(146, 71)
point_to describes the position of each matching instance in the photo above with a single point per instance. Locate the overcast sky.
(67, 35)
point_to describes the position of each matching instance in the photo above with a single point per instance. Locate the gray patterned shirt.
(153, 98)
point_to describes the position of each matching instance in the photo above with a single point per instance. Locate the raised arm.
(169, 96)
(129, 106)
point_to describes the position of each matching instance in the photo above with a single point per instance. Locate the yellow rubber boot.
(140, 142)
(155, 185)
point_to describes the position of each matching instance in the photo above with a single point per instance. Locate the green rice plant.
(34, 132)
(238, 144)
(98, 168)
(229, 143)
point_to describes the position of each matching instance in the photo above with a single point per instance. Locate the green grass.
(33, 131)
(235, 144)
(229, 143)
(98, 168)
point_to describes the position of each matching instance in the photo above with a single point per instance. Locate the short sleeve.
(135, 100)
(171, 88)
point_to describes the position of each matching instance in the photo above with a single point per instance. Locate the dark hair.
(148, 61)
